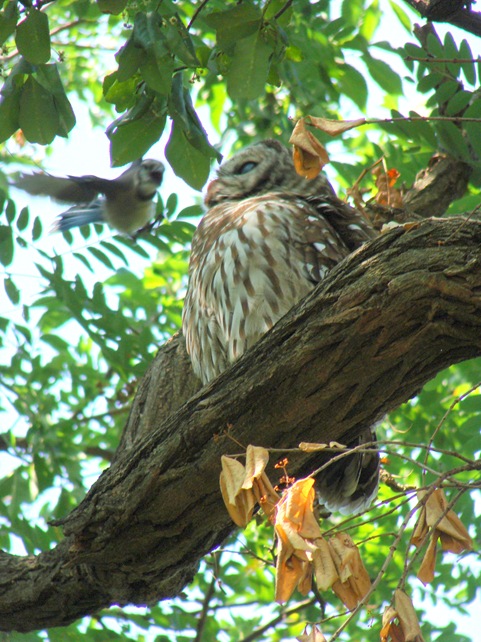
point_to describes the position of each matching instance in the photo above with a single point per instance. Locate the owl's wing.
(352, 227)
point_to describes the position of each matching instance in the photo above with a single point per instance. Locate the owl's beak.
(212, 194)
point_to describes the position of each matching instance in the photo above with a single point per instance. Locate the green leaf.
(113, 7)
(473, 129)
(6, 245)
(186, 161)
(131, 139)
(38, 117)
(401, 15)
(182, 111)
(49, 77)
(156, 69)
(9, 111)
(247, 74)
(129, 58)
(33, 38)
(383, 75)
(23, 218)
(120, 93)
(37, 229)
(452, 139)
(8, 21)
(446, 91)
(353, 84)
(469, 68)
(234, 24)
(458, 103)
(179, 41)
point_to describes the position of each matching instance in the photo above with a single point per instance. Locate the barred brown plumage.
(268, 237)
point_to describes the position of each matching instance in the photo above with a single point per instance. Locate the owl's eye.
(247, 167)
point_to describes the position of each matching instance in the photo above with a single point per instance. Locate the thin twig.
(196, 13)
(282, 10)
(205, 607)
(255, 635)
(447, 60)
(443, 419)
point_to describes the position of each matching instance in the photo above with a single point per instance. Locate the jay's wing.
(74, 189)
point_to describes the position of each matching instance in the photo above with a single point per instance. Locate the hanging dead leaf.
(323, 565)
(297, 532)
(421, 529)
(428, 565)
(335, 127)
(266, 496)
(407, 617)
(238, 501)
(354, 582)
(309, 154)
(314, 635)
(292, 568)
(256, 462)
(390, 629)
(449, 524)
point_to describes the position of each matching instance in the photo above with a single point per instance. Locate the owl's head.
(258, 169)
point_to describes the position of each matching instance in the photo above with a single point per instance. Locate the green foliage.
(81, 317)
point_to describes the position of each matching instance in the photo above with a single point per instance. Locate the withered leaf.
(407, 617)
(309, 154)
(335, 127)
(314, 635)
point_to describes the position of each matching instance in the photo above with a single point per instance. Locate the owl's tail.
(350, 484)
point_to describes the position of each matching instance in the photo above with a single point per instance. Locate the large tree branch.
(384, 322)
(456, 12)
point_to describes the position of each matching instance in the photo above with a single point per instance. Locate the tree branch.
(383, 323)
(455, 12)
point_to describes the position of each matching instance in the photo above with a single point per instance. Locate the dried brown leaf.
(312, 447)
(354, 580)
(407, 617)
(446, 521)
(390, 629)
(239, 502)
(323, 564)
(335, 127)
(290, 569)
(309, 154)
(421, 529)
(314, 635)
(256, 462)
(266, 495)
(428, 565)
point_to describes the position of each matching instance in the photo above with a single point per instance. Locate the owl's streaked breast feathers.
(268, 237)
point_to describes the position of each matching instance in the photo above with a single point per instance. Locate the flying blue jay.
(126, 204)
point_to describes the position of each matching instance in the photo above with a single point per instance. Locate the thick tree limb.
(456, 12)
(384, 322)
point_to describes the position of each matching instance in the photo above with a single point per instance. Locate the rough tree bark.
(384, 322)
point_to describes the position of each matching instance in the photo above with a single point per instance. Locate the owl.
(268, 237)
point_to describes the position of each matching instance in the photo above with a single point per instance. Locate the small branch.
(196, 13)
(256, 635)
(205, 608)
(282, 10)
(458, 61)
(445, 416)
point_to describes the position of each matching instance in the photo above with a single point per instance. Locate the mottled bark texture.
(384, 322)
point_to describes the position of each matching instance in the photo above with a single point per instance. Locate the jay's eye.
(247, 167)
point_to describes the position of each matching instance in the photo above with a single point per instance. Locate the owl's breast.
(251, 262)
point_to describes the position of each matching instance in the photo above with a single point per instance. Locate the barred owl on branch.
(268, 237)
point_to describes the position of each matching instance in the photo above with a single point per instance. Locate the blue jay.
(126, 205)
